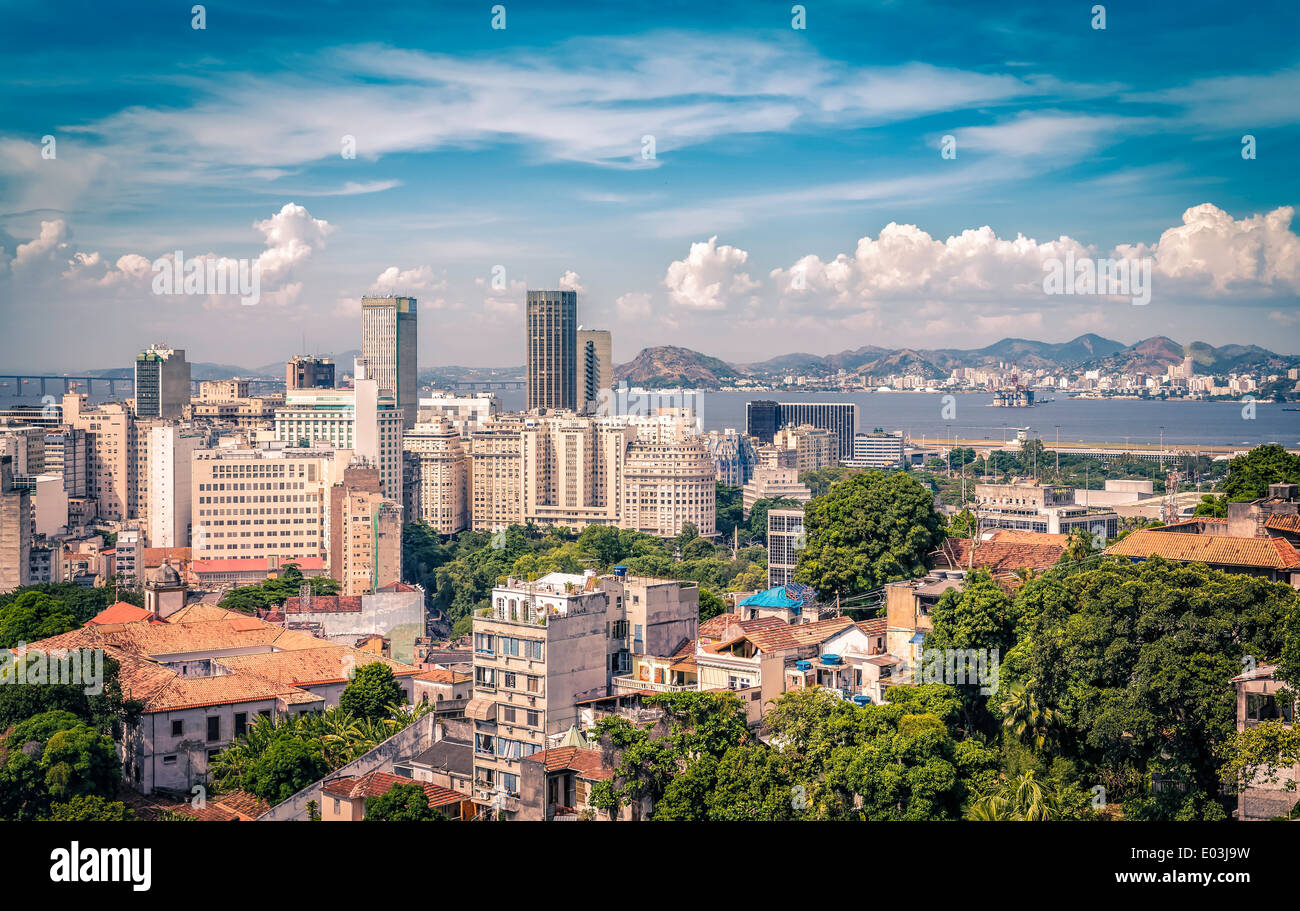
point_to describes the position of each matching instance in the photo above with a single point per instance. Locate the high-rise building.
(66, 455)
(595, 366)
(162, 382)
(878, 449)
(269, 501)
(164, 482)
(440, 497)
(496, 488)
(365, 533)
(773, 484)
(734, 458)
(15, 529)
(668, 484)
(785, 535)
(761, 420)
(388, 346)
(552, 350)
(307, 372)
(814, 447)
(571, 470)
(111, 465)
(361, 419)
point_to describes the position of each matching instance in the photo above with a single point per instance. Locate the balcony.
(628, 683)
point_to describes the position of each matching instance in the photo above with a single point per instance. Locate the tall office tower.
(765, 418)
(596, 366)
(15, 529)
(552, 355)
(110, 466)
(307, 372)
(388, 346)
(162, 382)
(264, 502)
(441, 475)
(761, 420)
(365, 533)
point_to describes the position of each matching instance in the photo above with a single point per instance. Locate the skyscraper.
(388, 345)
(595, 365)
(162, 382)
(552, 343)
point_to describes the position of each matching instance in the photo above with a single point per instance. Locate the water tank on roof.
(620, 570)
(862, 700)
(831, 659)
(803, 665)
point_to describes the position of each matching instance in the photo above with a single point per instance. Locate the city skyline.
(716, 179)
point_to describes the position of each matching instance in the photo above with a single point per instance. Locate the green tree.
(33, 616)
(869, 529)
(54, 757)
(286, 767)
(710, 605)
(90, 808)
(758, 514)
(1249, 475)
(401, 803)
(372, 692)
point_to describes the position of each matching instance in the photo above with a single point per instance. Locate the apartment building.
(162, 382)
(111, 463)
(571, 470)
(496, 492)
(546, 645)
(15, 529)
(667, 486)
(268, 501)
(439, 491)
(365, 532)
(813, 447)
(307, 372)
(595, 366)
(66, 455)
(164, 451)
(878, 449)
(466, 413)
(785, 538)
(222, 390)
(771, 484)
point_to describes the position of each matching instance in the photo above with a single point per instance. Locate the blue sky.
(797, 198)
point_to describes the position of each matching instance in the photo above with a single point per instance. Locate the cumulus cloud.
(291, 236)
(571, 281)
(709, 277)
(394, 280)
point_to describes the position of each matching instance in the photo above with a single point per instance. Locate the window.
(214, 727)
(241, 723)
(533, 718)
(178, 727)
(169, 760)
(510, 783)
(508, 714)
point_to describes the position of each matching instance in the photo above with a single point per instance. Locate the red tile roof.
(373, 784)
(874, 627)
(1284, 523)
(1000, 555)
(1217, 550)
(587, 763)
(121, 612)
(324, 604)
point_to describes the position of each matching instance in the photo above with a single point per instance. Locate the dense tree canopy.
(401, 803)
(870, 529)
(372, 692)
(1249, 475)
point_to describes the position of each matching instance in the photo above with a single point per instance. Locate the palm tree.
(1028, 720)
(1022, 799)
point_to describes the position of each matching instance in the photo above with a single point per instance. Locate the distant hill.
(672, 366)
(1154, 355)
(904, 361)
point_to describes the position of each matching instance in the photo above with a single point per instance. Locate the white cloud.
(394, 280)
(571, 281)
(709, 277)
(291, 236)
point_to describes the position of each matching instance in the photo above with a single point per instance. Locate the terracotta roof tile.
(1217, 550)
(121, 612)
(373, 784)
(588, 763)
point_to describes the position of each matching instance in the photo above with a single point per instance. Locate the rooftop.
(1218, 550)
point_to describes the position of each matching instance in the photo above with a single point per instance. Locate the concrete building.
(771, 484)
(878, 449)
(668, 485)
(162, 383)
(361, 419)
(496, 493)
(67, 454)
(733, 454)
(546, 645)
(307, 372)
(49, 505)
(814, 448)
(1262, 699)
(466, 413)
(365, 532)
(785, 538)
(269, 501)
(596, 366)
(551, 342)
(223, 390)
(111, 465)
(571, 468)
(394, 611)
(164, 453)
(1048, 508)
(15, 529)
(440, 480)
(389, 348)
(26, 444)
(765, 418)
